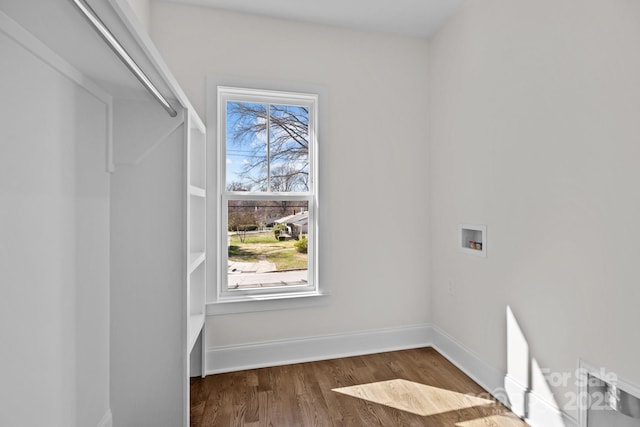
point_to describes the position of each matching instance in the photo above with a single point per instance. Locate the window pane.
(267, 244)
(289, 148)
(246, 147)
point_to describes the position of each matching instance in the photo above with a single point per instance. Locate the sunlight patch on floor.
(409, 396)
(493, 420)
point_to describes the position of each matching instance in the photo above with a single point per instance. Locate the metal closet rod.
(124, 56)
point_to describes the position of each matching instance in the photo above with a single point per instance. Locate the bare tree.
(262, 212)
(241, 222)
(274, 143)
(236, 186)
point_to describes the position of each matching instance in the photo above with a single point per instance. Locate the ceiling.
(414, 18)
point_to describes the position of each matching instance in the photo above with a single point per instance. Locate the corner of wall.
(107, 420)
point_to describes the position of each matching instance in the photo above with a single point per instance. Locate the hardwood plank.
(403, 388)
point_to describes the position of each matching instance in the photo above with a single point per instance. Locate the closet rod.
(124, 56)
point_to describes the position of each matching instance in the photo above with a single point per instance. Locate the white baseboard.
(488, 377)
(107, 420)
(518, 396)
(275, 353)
(536, 411)
(543, 413)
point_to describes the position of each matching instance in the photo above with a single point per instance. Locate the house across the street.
(296, 224)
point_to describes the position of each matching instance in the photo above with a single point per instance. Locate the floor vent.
(604, 400)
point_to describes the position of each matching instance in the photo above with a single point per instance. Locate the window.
(267, 193)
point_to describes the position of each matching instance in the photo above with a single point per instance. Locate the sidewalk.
(263, 274)
(262, 266)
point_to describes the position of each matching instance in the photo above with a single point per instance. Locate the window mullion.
(268, 147)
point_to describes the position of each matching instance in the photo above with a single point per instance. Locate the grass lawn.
(282, 253)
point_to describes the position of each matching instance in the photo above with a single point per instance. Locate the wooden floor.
(402, 388)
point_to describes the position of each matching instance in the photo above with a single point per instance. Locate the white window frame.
(225, 94)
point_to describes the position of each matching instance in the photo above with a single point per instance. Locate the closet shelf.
(195, 259)
(197, 191)
(196, 322)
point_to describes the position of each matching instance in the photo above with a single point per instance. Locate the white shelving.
(195, 260)
(196, 235)
(196, 323)
(154, 204)
(197, 191)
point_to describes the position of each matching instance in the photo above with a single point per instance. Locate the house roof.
(297, 219)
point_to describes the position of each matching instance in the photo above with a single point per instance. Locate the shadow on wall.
(527, 385)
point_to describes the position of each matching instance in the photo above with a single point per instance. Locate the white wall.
(92, 185)
(54, 264)
(142, 8)
(374, 159)
(147, 282)
(534, 110)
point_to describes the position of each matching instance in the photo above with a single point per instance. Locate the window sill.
(249, 304)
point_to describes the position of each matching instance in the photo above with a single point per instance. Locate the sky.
(243, 151)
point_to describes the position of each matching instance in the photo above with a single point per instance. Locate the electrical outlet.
(451, 289)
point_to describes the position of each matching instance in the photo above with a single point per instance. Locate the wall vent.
(604, 400)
